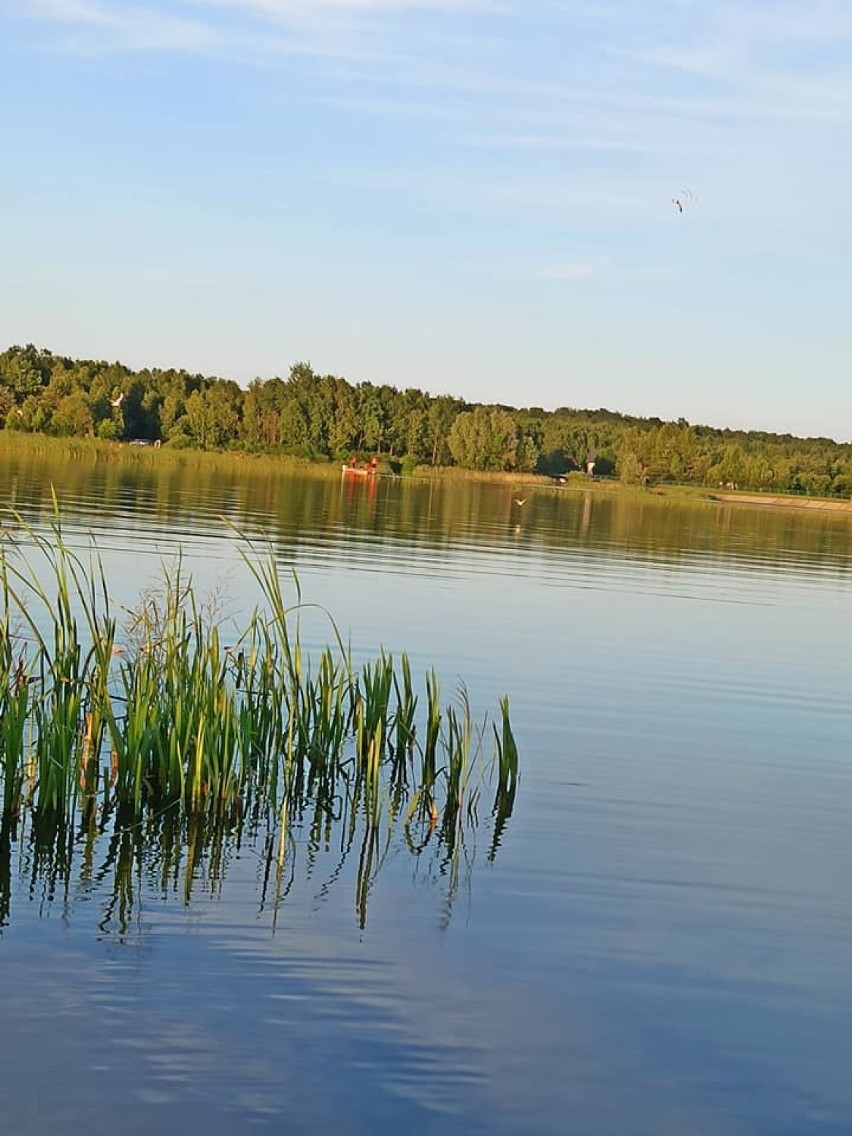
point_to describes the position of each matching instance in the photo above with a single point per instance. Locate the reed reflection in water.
(333, 839)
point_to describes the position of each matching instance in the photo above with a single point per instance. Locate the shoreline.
(27, 446)
(782, 501)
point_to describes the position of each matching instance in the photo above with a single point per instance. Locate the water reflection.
(387, 518)
(664, 944)
(340, 837)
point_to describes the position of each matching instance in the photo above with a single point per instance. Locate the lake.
(660, 941)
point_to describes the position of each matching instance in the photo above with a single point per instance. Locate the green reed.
(405, 718)
(14, 703)
(179, 714)
(506, 759)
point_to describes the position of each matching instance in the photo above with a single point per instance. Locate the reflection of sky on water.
(662, 944)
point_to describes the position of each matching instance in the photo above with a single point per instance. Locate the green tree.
(73, 417)
(484, 438)
(440, 417)
(25, 370)
(213, 414)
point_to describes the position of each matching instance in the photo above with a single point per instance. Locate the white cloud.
(548, 77)
(258, 31)
(628, 45)
(128, 27)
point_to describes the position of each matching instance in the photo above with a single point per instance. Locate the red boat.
(354, 468)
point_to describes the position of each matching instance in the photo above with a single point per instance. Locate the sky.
(472, 197)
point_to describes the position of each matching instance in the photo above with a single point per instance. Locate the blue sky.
(468, 196)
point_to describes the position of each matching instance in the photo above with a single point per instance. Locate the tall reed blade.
(506, 757)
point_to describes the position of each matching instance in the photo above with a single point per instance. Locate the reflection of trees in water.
(323, 833)
(293, 507)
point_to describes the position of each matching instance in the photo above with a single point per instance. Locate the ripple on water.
(662, 942)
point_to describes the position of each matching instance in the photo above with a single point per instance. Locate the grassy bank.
(93, 452)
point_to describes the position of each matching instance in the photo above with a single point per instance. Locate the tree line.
(324, 417)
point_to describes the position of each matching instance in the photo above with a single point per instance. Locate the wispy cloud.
(251, 32)
(127, 27)
(188, 25)
(636, 88)
(764, 60)
(727, 55)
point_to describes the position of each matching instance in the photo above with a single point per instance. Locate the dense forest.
(324, 417)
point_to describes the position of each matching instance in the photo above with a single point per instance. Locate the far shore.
(146, 456)
(782, 501)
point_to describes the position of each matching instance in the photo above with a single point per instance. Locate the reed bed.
(94, 452)
(165, 713)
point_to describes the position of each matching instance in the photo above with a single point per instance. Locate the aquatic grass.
(372, 716)
(97, 452)
(457, 744)
(506, 752)
(433, 726)
(404, 720)
(507, 761)
(14, 699)
(14, 716)
(184, 715)
(68, 668)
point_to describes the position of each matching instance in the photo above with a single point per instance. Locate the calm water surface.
(662, 941)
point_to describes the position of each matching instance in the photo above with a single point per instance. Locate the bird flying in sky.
(686, 197)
